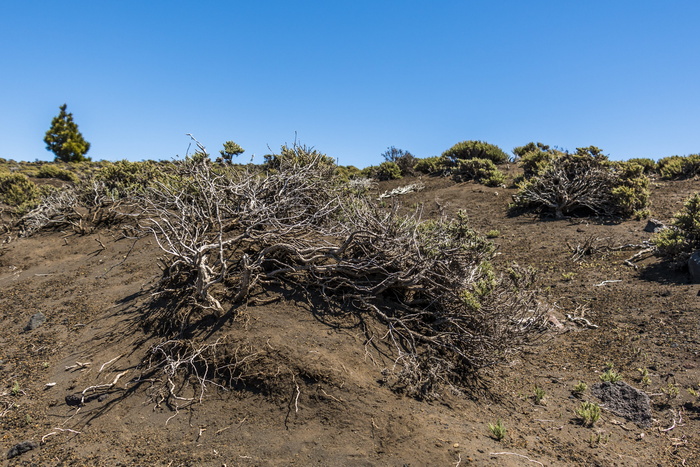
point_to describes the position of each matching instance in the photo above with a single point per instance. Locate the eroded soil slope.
(321, 398)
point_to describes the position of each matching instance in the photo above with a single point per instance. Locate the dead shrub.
(444, 309)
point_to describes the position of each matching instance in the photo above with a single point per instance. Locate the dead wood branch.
(402, 190)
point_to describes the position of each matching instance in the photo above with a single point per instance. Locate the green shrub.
(631, 192)
(388, 171)
(649, 165)
(369, 172)
(683, 236)
(123, 177)
(677, 167)
(347, 172)
(52, 171)
(670, 167)
(498, 431)
(588, 413)
(298, 155)
(475, 150)
(534, 158)
(431, 165)
(18, 191)
(482, 170)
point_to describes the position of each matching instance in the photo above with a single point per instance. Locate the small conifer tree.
(64, 139)
(230, 150)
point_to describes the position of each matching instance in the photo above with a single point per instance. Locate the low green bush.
(475, 150)
(298, 155)
(432, 165)
(649, 165)
(347, 172)
(18, 191)
(52, 171)
(388, 171)
(404, 159)
(482, 170)
(631, 191)
(122, 178)
(683, 236)
(678, 167)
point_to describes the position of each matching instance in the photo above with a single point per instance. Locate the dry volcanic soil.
(76, 387)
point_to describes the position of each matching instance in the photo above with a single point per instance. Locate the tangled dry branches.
(571, 182)
(79, 208)
(430, 283)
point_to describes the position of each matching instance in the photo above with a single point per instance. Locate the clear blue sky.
(351, 77)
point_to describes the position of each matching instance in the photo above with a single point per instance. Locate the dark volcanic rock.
(21, 448)
(74, 400)
(694, 267)
(625, 401)
(654, 226)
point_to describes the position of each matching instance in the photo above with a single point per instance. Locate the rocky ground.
(77, 388)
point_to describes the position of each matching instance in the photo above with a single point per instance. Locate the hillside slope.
(319, 395)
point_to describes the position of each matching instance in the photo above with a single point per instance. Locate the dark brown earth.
(325, 402)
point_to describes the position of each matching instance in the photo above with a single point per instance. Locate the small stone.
(625, 401)
(21, 448)
(456, 445)
(74, 400)
(35, 321)
(654, 226)
(694, 267)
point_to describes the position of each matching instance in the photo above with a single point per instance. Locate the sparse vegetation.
(289, 294)
(588, 413)
(498, 430)
(430, 282)
(580, 389)
(683, 237)
(610, 376)
(539, 395)
(644, 378)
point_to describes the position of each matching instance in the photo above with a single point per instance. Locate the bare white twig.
(607, 282)
(109, 363)
(78, 365)
(102, 386)
(402, 190)
(58, 430)
(678, 422)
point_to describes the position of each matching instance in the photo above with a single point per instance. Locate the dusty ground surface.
(324, 401)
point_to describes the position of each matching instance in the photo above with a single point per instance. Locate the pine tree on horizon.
(64, 139)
